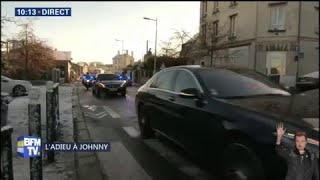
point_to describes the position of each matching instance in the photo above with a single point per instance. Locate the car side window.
(164, 80)
(153, 83)
(184, 80)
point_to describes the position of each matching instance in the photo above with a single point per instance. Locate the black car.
(223, 116)
(308, 82)
(108, 84)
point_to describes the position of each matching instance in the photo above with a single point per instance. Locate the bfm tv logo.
(29, 146)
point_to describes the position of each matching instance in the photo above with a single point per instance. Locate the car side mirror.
(190, 93)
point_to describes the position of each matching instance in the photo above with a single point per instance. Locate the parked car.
(15, 87)
(108, 84)
(224, 116)
(308, 82)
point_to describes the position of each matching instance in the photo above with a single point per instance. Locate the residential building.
(271, 37)
(107, 68)
(63, 62)
(121, 61)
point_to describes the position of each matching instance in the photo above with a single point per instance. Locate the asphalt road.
(113, 119)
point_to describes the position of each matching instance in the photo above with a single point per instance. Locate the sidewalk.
(63, 167)
(87, 163)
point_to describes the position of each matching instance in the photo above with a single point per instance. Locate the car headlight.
(124, 83)
(88, 80)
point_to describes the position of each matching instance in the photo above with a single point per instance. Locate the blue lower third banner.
(84, 147)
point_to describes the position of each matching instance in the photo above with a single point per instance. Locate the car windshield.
(312, 75)
(107, 77)
(5, 78)
(233, 83)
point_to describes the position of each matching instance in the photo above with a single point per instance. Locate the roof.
(192, 39)
(62, 55)
(199, 67)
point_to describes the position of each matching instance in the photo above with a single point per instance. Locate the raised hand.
(280, 132)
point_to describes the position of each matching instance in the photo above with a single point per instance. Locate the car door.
(5, 84)
(160, 102)
(193, 126)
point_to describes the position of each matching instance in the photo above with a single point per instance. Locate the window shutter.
(281, 17)
(274, 17)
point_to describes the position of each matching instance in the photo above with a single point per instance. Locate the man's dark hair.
(300, 133)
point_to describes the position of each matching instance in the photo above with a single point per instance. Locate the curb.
(87, 163)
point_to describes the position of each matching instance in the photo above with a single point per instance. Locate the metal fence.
(53, 115)
(6, 142)
(34, 122)
(6, 153)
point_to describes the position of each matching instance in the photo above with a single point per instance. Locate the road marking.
(131, 131)
(89, 115)
(111, 112)
(103, 115)
(119, 156)
(181, 163)
(93, 107)
(99, 114)
(96, 116)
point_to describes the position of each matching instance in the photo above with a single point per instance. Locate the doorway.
(276, 65)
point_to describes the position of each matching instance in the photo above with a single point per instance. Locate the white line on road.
(111, 112)
(93, 107)
(89, 115)
(131, 131)
(103, 115)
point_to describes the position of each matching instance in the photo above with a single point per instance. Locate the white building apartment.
(275, 37)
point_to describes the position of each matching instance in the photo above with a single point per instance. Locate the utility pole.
(298, 43)
(147, 47)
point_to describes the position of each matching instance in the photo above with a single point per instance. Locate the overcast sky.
(91, 31)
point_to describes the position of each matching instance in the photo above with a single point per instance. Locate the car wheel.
(123, 94)
(144, 124)
(241, 163)
(19, 90)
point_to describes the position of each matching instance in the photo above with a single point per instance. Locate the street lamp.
(121, 44)
(155, 44)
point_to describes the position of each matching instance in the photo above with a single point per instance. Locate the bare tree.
(217, 46)
(35, 52)
(5, 43)
(173, 46)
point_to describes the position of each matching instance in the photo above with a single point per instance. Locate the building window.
(215, 26)
(317, 21)
(204, 34)
(202, 63)
(278, 17)
(233, 3)
(215, 6)
(232, 26)
(204, 8)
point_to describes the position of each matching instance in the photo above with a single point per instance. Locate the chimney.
(126, 52)
(131, 53)
(118, 52)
